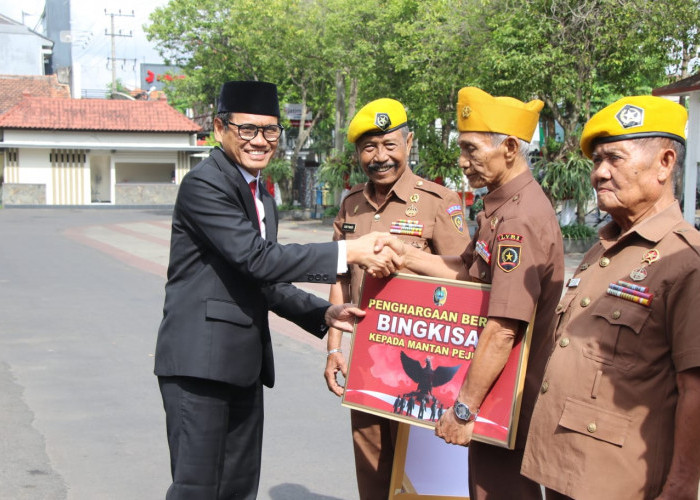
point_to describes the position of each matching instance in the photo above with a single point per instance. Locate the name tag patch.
(347, 227)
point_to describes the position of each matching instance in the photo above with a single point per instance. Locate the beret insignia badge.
(630, 116)
(382, 120)
(466, 112)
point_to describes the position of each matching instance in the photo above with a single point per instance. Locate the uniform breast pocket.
(415, 241)
(620, 323)
(480, 270)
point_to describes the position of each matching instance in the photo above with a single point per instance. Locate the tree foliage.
(575, 55)
(332, 56)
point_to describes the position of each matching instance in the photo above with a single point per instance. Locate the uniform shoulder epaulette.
(691, 236)
(431, 187)
(357, 188)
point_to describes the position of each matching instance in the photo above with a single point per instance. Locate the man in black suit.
(226, 271)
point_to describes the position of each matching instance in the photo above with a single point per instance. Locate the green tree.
(575, 55)
(680, 31)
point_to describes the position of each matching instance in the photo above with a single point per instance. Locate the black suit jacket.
(223, 278)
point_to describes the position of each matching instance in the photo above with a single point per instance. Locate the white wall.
(97, 140)
(21, 51)
(35, 166)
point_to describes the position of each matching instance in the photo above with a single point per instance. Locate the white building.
(690, 88)
(22, 51)
(93, 151)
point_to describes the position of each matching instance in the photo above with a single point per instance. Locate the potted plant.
(578, 238)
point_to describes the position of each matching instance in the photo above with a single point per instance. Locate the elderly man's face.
(483, 163)
(384, 157)
(253, 155)
(628, 177)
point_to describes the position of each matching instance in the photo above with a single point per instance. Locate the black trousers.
(215, 437)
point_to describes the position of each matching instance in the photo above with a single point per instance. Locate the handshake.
(379, 254)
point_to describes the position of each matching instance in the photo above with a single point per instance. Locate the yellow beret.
(478, 111)
(377, 118)
(634, 117)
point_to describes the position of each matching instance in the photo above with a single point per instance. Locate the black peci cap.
(256, 98)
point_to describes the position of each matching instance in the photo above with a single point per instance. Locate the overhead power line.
(113, 34)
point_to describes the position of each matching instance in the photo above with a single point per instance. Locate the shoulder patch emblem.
(508, 256)
(516, 238)
(457, 216)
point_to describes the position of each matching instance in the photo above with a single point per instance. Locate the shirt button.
(545, 387)
(560, 308)
(584, 267)
(482, 274)
(564, 342)
(592, 427)
(604, 262)
(419, 183)
(377, 216)
(585, 302)
(516, 197)
(616, 315)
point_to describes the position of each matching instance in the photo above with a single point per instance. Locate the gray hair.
(523, 150)
(666, 143)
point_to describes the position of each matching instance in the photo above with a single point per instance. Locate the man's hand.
(454, 430)
(334, 364)
(384, 240)
(342, 316)
(378, 261)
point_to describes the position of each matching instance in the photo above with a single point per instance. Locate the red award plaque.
(412, 350)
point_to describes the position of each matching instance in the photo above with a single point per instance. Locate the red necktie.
(253, 185)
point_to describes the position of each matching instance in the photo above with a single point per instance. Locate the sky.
(91, 47)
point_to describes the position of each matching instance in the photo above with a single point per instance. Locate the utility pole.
(114, 35)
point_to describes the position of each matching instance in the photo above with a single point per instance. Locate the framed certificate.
(412, 350)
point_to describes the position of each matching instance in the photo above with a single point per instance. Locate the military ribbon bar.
(628, 294)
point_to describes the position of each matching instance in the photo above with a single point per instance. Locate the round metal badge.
(638, 274)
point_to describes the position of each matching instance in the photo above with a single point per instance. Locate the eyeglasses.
(248, 131)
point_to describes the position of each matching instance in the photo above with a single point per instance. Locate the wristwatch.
(463, 412)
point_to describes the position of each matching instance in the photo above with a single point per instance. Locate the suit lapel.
(230, 169)
(270, 214)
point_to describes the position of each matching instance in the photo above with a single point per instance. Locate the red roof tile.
(14, 87)
(96, 114)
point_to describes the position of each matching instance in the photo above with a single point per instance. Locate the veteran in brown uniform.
(619, 411)
(518, 249)
(421, 214)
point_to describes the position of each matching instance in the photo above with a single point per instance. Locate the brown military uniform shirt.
(421, 213)
(603, 425)
(518, 249)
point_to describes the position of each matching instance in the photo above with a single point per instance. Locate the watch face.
(462, 411)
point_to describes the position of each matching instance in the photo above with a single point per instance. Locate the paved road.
(81, 295)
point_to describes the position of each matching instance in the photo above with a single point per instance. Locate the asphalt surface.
(81, 297)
